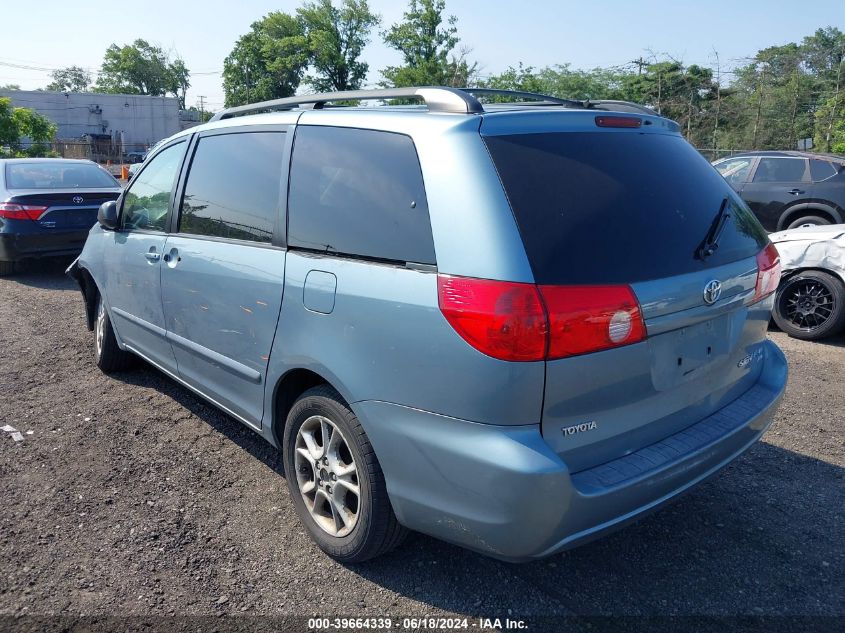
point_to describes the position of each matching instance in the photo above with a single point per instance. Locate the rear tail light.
(618, 121)
(524, 322)
(585, 319)
(12, 211)
(503, 319)
(768, 272)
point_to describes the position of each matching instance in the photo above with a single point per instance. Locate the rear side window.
(780, 170)
(233, 187)
(821, 170)
(617, 207)
(360, 193)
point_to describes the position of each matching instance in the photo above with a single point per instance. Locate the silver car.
(502, 325)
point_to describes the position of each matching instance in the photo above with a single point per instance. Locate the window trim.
(805, 178)
(277, 240)
(422, 266)
(188, 139)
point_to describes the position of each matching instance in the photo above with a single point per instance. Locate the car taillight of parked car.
(768, 272)
(525, 322)
(12, 211)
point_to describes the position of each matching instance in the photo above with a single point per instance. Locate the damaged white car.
(810, 302)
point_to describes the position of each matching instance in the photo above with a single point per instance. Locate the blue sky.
(538, 32)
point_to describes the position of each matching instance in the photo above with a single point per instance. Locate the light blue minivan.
(511, 326)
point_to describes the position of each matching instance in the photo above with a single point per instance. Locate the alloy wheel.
(808, 304)
(100, 328)
(327, 476)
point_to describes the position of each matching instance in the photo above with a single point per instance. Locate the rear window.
(359, 193)
(57, 176)
(821, 170)
(617, 207)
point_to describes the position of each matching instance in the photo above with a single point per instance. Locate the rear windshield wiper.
(711, 240)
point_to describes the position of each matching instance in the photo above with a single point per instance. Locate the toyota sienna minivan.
(512, 326)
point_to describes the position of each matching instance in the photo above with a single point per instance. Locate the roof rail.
(437, 98)
(539, 99)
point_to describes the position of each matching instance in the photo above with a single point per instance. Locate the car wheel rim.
(807, 305)
(327, 476)
(100, 328)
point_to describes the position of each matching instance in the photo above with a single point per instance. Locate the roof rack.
(437, 98)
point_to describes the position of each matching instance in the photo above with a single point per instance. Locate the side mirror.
(107, 215)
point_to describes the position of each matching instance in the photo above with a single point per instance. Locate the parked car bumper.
(18, 246)
(504, 492)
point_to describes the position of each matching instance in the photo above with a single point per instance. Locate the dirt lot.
(132, 496)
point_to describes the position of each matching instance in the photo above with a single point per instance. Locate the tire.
(350, 529)
(7, 268)
(810, 305)
(110, 358)
(808, 220)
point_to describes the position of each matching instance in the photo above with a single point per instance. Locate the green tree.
(19, 123)
(70, 79)
(143, 69)
(830, 137)
(560, 81)
(180, 80)
(10, 87)
(426, 39)
(268, 62)
(824, 52)
(336, 38)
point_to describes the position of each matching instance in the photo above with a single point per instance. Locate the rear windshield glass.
(57, 176)
(617, 207)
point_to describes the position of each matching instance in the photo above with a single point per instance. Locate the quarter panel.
(386, 340)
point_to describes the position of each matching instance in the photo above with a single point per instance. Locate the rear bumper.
(503, 492)
(18, 246)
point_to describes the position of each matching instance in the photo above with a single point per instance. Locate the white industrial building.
(125, 122)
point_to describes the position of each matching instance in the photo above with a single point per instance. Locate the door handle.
(153, 257)
(172, 258)
(795, 192)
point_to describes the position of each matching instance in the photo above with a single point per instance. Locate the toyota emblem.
(78, 199)
(712, 291)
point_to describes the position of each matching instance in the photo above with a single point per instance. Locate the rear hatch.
(610, 207)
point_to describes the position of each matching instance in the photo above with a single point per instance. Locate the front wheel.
(108, 355)
(335, 479)
(810, 305)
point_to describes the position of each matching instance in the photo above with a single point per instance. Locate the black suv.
(786, 190)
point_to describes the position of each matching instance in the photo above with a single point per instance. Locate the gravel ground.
(131, 496)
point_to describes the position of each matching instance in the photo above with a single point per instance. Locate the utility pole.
(640, 63)
(829, 134)
(761, 81)
(202, 107)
